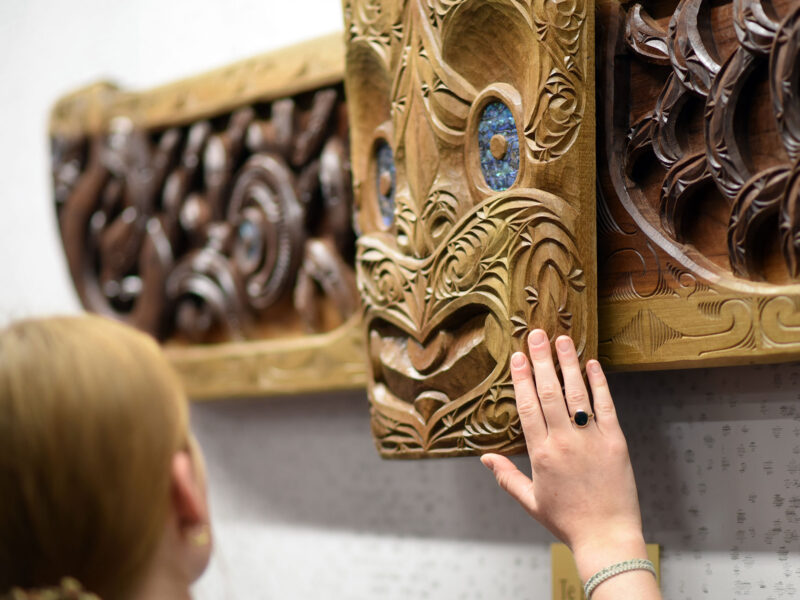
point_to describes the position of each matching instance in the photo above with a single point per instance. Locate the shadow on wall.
(716, 454)
(311, 462)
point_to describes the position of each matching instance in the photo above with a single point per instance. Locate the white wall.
(303, 506)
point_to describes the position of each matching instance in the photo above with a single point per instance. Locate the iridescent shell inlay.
(385, 182)
(498, 143)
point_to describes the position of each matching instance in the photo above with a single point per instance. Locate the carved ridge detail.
(646, 37)
(755, 25)
(724, 157)
(691, 59)
(665, 136)
(681, 182)
(784, 82)
(789, 222)
(758, 200)
(712, 223)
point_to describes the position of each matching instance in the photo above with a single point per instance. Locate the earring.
(201, 536)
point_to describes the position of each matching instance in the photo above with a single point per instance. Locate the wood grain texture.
(220, 224)
(306, 66)
(697, 229)
(312, 363)
(472, 137)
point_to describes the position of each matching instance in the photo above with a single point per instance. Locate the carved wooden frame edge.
(314, 363)
(284, 72)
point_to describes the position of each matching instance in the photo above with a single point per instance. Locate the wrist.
(594, 554)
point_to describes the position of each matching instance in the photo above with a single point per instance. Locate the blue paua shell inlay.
(497, 119)
(250, 238)
(384, 159)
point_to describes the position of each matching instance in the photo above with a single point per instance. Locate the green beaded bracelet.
(635, 564)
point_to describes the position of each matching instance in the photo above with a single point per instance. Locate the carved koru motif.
(700, 141)
(229, 228)
(472, 145)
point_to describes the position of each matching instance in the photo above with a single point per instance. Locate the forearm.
(591, 557)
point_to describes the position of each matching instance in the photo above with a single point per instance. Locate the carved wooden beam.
(214, 213)
(698, 151)
(472, 129)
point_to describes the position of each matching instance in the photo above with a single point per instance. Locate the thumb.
(512, 480)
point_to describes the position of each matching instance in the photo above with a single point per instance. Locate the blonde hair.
(90, 417)
(70, 589)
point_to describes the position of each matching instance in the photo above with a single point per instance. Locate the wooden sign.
(214, 213)
(699, 234)
(472, 136)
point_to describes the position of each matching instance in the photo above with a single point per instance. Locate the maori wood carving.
(699, 236)
(222, 226)
(472, 137)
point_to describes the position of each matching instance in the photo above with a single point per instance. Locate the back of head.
(90, 416)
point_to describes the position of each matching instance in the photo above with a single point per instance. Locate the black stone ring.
(581, 418)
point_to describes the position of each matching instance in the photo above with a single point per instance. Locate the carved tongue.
(429, 402)
(428, 357)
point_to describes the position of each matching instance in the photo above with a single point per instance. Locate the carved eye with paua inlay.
(385, 179)
(498, 144)
(495, 143)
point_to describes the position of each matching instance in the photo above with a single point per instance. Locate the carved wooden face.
(473, 170)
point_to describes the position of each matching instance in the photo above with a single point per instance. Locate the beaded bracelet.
(635, 564)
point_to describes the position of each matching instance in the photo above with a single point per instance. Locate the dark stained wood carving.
(230, 226)
(472, 138)
(698, 151)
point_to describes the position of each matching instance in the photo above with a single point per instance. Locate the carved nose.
(426, 358)
(428, 403)
(413, 237)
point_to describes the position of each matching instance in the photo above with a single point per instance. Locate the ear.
(190, 511)
(188, 492)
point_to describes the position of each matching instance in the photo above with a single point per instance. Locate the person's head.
(100, 478)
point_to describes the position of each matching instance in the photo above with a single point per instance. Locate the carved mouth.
(455, 359)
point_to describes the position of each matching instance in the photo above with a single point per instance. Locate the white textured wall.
(303, 507)
(306, 509)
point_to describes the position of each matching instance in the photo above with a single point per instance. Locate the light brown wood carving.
(214, 213)
(699, 235)
(472, 137)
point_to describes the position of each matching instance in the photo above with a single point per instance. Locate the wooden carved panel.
(472, 137)
(214, 213)
(699, 235)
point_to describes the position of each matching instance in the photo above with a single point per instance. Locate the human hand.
(582, 486)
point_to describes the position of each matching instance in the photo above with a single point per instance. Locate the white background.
(303, 506)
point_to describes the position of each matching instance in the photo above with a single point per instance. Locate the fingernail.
(563, 343)
(594, 367)
(518, 360)
(487, 462)
(537, 337)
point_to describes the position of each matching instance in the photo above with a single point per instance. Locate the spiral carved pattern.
(199, 232)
